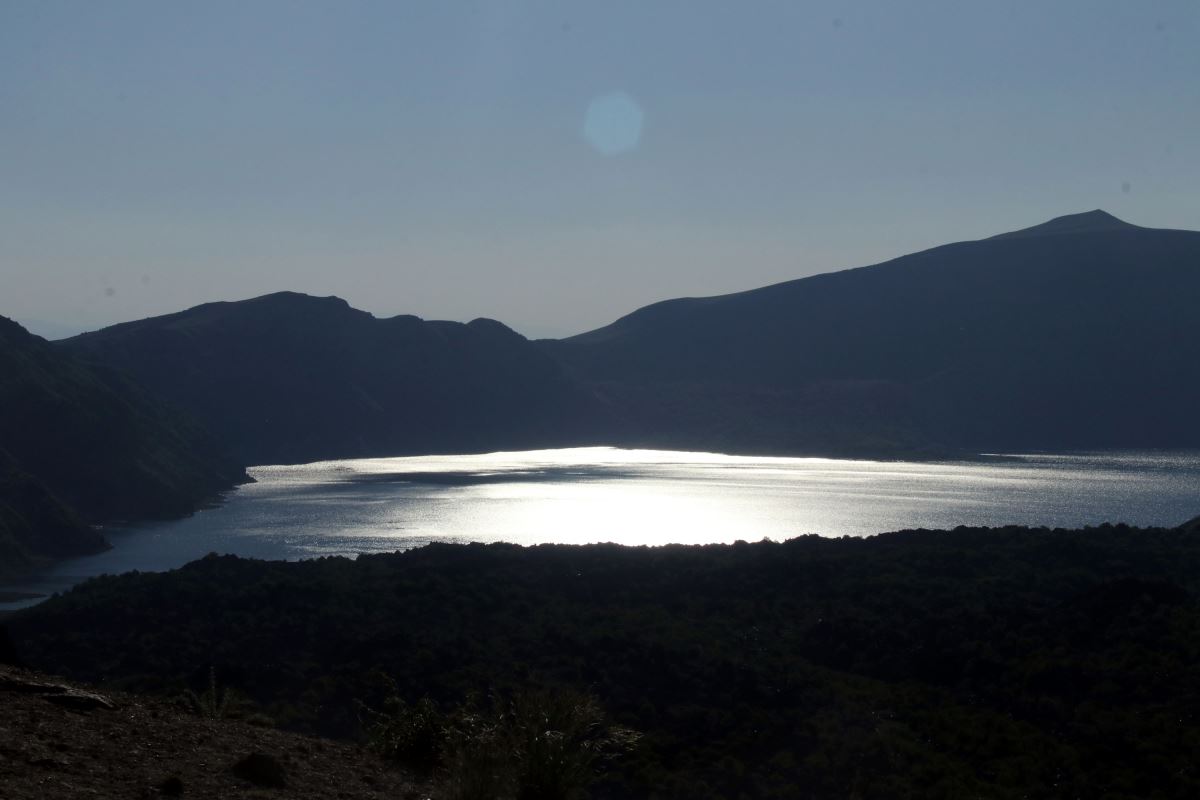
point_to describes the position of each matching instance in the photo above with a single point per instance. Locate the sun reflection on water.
(642, 497)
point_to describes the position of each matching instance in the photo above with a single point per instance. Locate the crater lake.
(636, 497)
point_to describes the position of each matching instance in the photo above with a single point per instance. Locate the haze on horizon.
(555, 165)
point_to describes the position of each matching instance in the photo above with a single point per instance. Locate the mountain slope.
(289, 378)
(1075, 333)
(80, 444)
(35, 525)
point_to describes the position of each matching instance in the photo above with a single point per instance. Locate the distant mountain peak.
(1088, 222)
(294, 299)
(11, 329)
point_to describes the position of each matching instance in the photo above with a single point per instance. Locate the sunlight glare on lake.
(641, 497)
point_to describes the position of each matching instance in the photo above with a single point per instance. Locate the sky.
(556, 165)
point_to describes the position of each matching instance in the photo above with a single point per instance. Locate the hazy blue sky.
(555, 164)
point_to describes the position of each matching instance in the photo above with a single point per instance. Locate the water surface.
(639, 497)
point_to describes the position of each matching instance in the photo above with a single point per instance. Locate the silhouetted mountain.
(35, 525)
(290, 378)
(1087, 222)
(1073, 333)
(1079, 332)
(80, 444)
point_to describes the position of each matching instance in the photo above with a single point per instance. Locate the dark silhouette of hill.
(35, 525)
(1087, 222)
(81, 444)
(289, 378)
(1071, 334)
(1079, 332)
(998, 663)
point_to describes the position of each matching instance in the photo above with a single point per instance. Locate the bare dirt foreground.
(62, 740)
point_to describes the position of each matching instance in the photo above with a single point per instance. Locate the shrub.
(214, 702)
(414, 735)
(538, 745)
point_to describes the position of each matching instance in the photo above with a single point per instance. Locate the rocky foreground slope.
(60, 740)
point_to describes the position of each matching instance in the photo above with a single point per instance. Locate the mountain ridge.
(1007, 341)
(926, 334)
(289, 378)
(81, 444)
(1092, 221)
(1076, 333)
(1089, 222)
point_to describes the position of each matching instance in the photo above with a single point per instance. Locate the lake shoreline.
(581, 495)
(10, 597)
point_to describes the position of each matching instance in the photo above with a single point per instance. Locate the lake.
(639, 497)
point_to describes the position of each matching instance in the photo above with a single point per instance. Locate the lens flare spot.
(613, 123)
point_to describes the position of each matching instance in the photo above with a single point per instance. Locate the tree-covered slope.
(999, 663)
(1076, 333)
(289, 378)
(81, 444)
(36, 526)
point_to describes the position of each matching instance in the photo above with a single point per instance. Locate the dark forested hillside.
(1076, 333)
(1002, 663)
(36, 526)
(290, 378)
(81, 444)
